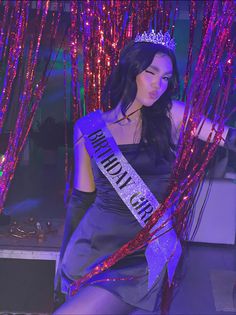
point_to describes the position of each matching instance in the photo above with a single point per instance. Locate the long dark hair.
(121, 88)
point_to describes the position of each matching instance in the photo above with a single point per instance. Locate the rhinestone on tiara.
(159, 38)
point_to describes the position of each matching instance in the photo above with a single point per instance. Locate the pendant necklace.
(126, 116)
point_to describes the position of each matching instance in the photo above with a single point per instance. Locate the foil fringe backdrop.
(188, 171)
(31, 89)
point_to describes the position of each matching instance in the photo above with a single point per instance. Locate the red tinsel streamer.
(193, 23)
(206, 15)
(100, 38)
(167, 9)
(74, 52)
(188, 171)
(15, 44)
(3, 33)
(176, 11)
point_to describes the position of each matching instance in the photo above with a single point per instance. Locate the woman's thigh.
(94, 300)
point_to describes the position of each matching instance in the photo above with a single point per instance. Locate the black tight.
(94, 300)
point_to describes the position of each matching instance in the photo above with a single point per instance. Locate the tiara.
(159, 38)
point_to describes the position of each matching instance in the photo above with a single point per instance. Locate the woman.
(144, 122)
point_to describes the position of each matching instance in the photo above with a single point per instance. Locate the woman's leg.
(94, 300)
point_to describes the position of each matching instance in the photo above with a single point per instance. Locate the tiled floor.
(26, 286)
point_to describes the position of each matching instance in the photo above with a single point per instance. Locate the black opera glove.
(230, 141)
(79, 202)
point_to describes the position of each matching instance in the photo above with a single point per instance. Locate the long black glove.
(79, 202)
(230, 141)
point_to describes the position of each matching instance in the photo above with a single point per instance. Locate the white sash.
(166, 249)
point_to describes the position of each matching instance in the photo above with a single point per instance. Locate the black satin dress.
(107, 225)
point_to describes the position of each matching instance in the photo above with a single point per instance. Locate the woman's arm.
(177, 114)
(84, 192)
(83, 174)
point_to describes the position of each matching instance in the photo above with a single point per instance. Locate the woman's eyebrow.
(158, 70)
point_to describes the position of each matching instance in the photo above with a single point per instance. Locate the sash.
(165, 250)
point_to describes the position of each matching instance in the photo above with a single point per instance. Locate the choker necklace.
(126, 116)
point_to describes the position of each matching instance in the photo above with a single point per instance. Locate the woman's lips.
(153, 95)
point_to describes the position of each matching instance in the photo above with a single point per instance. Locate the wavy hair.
(121, 88)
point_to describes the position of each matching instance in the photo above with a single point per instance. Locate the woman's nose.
(156, 83)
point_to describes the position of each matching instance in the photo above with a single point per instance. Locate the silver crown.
(159, 38)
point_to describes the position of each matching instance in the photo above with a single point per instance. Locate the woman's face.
(153, 81)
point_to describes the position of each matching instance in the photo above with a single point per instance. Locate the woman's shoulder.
(107, 116)
(177, 111)
(177, 106)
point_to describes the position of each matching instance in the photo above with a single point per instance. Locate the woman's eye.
(148, 71)
(166, 79)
